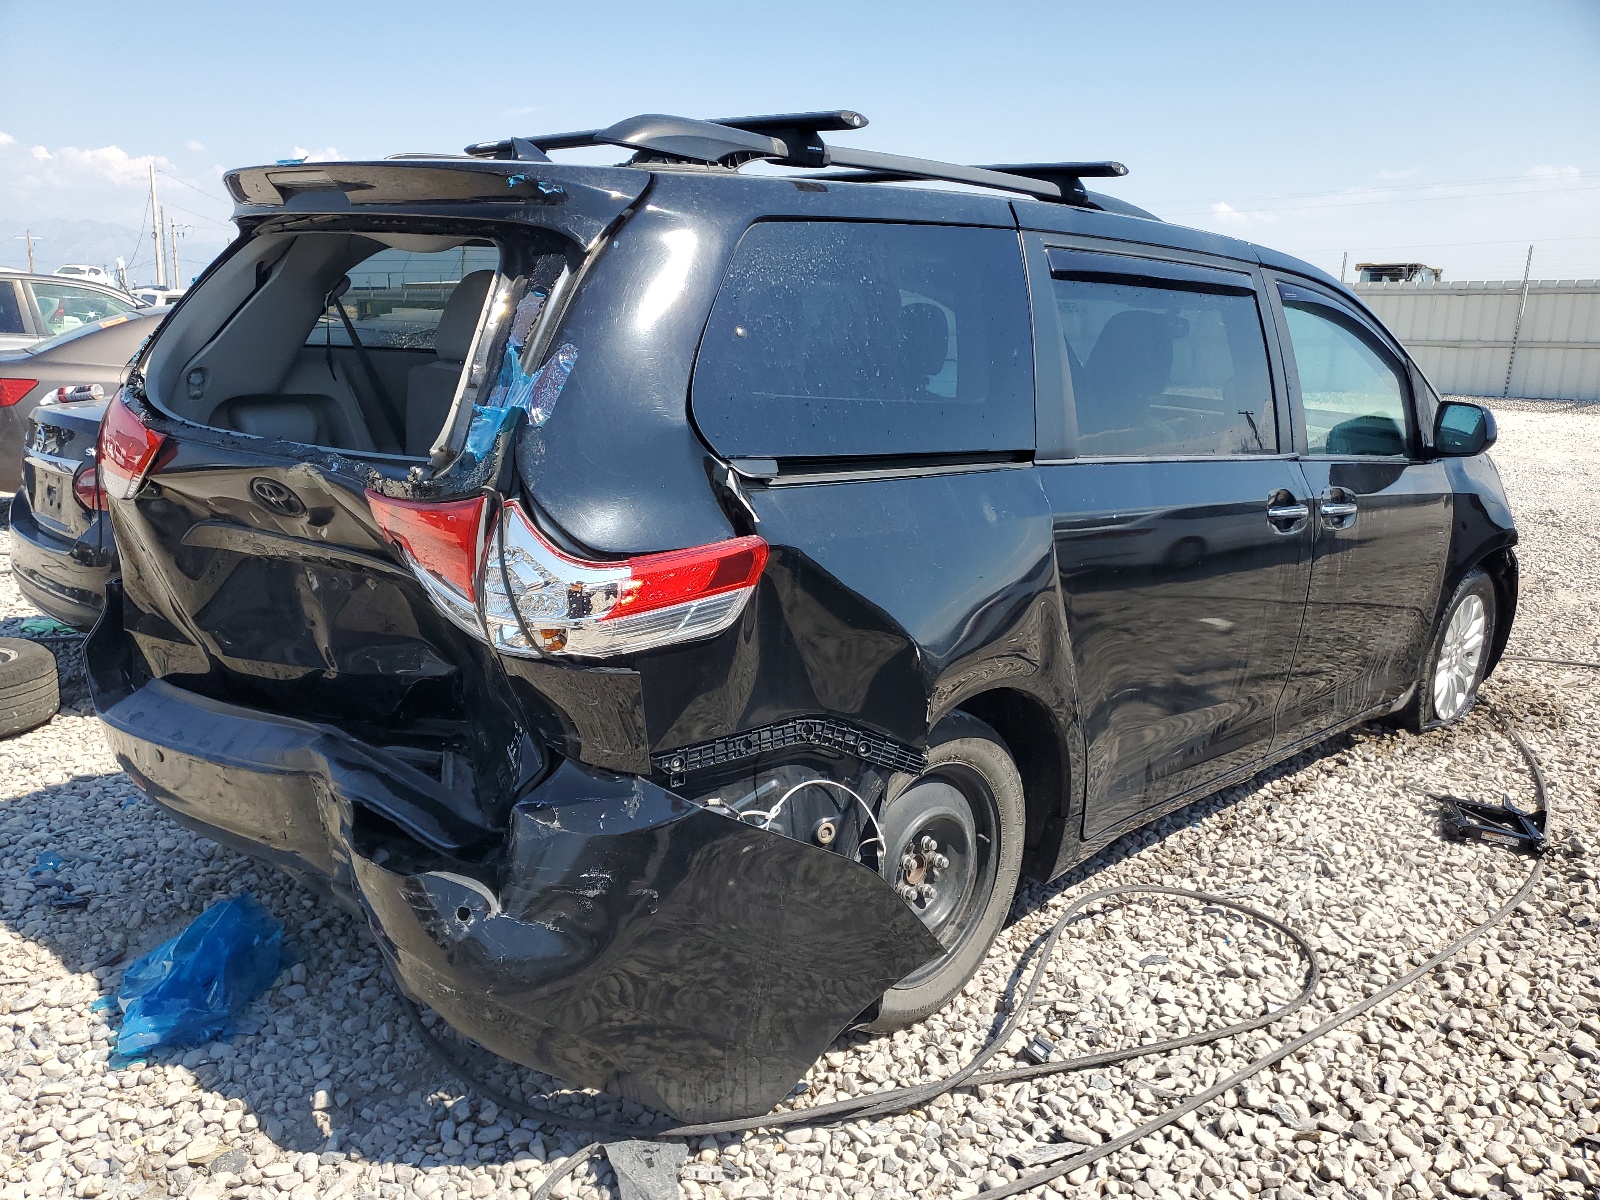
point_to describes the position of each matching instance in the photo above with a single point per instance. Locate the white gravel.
(1483, 1079)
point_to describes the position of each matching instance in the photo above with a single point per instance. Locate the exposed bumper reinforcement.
(621, 938)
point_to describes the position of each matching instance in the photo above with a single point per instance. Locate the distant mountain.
(98, 243)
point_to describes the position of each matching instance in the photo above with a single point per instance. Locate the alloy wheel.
(1460, 655)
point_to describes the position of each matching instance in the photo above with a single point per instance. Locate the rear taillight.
(86, 487)
(443, 545)
(539, 601)
(12, 390)
(127, 448)
(509, 584)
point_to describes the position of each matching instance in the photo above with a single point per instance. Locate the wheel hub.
(922, 866)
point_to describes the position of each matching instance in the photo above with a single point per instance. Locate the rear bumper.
(62, 577)
(621, 938)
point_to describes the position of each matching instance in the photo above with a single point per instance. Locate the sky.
(1456, 134)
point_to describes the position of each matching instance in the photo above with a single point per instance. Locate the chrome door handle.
(1337, 509)
(1285, 513)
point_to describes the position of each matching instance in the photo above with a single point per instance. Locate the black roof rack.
(794, 139)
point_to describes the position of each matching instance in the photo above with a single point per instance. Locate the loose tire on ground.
(29, 693)
(965, 756)
(1472, 614)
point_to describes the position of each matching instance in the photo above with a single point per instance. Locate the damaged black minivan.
(677, 606)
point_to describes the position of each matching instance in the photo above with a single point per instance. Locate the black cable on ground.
(1554, 662)
(899, 1099)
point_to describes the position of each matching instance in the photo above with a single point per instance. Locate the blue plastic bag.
(190, 989)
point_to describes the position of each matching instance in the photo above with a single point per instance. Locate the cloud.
(6, 139)
(1546, 171)
(102, 183)
(1385, 173)
(191, 144)
(1226, 214)
(521, 111)
(326, 154)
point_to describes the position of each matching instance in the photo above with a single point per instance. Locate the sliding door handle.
(1286, 513)
(1337, 507)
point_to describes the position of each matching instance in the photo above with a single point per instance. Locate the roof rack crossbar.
(793, 139)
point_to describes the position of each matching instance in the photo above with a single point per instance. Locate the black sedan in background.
(51, 401)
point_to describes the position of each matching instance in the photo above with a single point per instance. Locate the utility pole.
(155, 229)
(1516, 330)
(30, 239)
(174, 232)
(1343, 263)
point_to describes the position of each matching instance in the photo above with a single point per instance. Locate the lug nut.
(927, 844)
(940, 862)
(928, 892)
(908, 863)
(907, 893)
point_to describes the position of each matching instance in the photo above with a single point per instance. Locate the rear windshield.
(832, 339)
(350, 340)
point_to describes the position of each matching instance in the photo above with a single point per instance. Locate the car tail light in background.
(86, 487)
(12, 390)
(539, 601)
(127, 448)
(70, 395)
(443, 545)
(507, 584)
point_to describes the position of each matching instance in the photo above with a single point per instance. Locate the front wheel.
(1457, 658)
(953, 851)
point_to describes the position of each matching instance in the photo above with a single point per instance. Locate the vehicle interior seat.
(924, 344)
(1370, 434)
(1128, 368)
(431, 387)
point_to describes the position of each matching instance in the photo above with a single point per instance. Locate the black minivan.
(676, 606)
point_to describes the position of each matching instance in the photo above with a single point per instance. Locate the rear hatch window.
(354, 341)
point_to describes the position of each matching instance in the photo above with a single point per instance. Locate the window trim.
(1157, 264)
(1383, 342)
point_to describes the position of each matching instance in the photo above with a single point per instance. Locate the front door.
(1382, 516)
(1183, 533)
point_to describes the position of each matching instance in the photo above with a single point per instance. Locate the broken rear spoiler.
(580, 202)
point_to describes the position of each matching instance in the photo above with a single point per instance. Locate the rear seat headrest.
(460, 316)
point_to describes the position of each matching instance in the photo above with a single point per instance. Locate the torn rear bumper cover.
(625, 939)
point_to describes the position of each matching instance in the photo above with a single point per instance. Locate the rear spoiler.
(579, 202)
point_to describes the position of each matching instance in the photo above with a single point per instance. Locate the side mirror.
(1462, 430)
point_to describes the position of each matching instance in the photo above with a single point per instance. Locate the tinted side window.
(1166, 370)
(835, 339)
(1350, 390)
(10, 310)
(64, 306)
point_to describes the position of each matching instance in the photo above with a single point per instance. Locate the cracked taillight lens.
(538, 601)
(126, 450)
(507, 584)
(443, 545)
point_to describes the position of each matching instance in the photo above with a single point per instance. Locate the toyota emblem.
(276, 497)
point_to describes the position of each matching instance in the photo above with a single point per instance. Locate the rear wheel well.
(1030, 734)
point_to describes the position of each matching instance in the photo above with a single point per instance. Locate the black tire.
(29, 693)
(1435, 706)
(967, 763)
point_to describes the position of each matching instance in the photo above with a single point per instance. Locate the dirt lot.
(1481, 1079)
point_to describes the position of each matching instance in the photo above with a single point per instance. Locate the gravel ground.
(1481, 1079)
